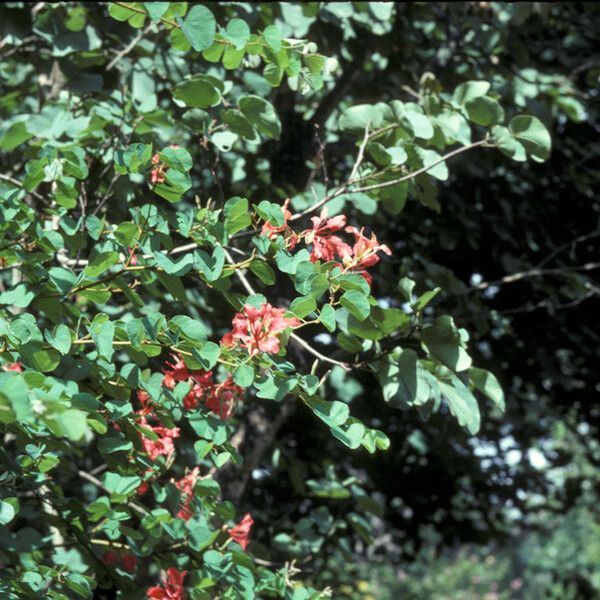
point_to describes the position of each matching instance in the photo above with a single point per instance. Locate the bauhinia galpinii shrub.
(155, 285)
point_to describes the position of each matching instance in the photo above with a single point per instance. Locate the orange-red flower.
(257, 329)
(326, 246)
(241, 532)
(163, 446)
(176, 372)
(364, 250)
(224, 397)
(172, 586)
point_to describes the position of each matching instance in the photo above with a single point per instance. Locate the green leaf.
(156, 9)
(469, 90)
(487, 384)
(199, 27)
(484, 111)
(534, 136)
(356, 303)
(103, 338)
(210, 354)
(60, 339)
(72, 423)
(119, 484)
(272, 36)
(244, 375)
(201, 91)
(237, 216)
(7, 512)
(461, 402)
(507, 144)
(445, 342)
(327, 317)
(100, 263)
(19, 296)
(224, 140)
(357, 118)
(237, 32)
(263, 271)
(262, 115)
(303, 306)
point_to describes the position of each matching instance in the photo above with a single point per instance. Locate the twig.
(99, 484)
(134, 42)
(20, 185)
(537, 273)
(384, 184)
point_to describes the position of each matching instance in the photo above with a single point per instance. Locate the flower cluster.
(220, 398)
(171, 588)
(16, 367)
(157, 175)
(257, 329)
(328, 246)
(163, 445)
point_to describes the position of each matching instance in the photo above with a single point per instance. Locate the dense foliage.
(255, 270)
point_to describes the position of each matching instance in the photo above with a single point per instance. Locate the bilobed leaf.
(19, 296)
(534, 136)
(356, 303)
(444, 342)
(303, 306)
(237, 32)
(199, 27)
(200, 91)
(156, 9)
(236, 214)
(272, 36)
(469, 90)
(262, 115)
(485, 111)
(487, 384)
(101, 263)
(59, 339)
(461, 402)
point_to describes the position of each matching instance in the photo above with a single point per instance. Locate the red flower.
(16, 366)
(110, 557)
(224, 398)
(172, 586)
(241, 532)
(326, 246)
(186, 487)
(177, 372)
(257, 329)
(365, 250)
(164, 445)
(129, 562)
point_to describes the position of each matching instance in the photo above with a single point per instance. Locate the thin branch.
(20, 185)
(536, 273)
(99, 484)
(345, 187)
(384, 184)
(134, 42)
